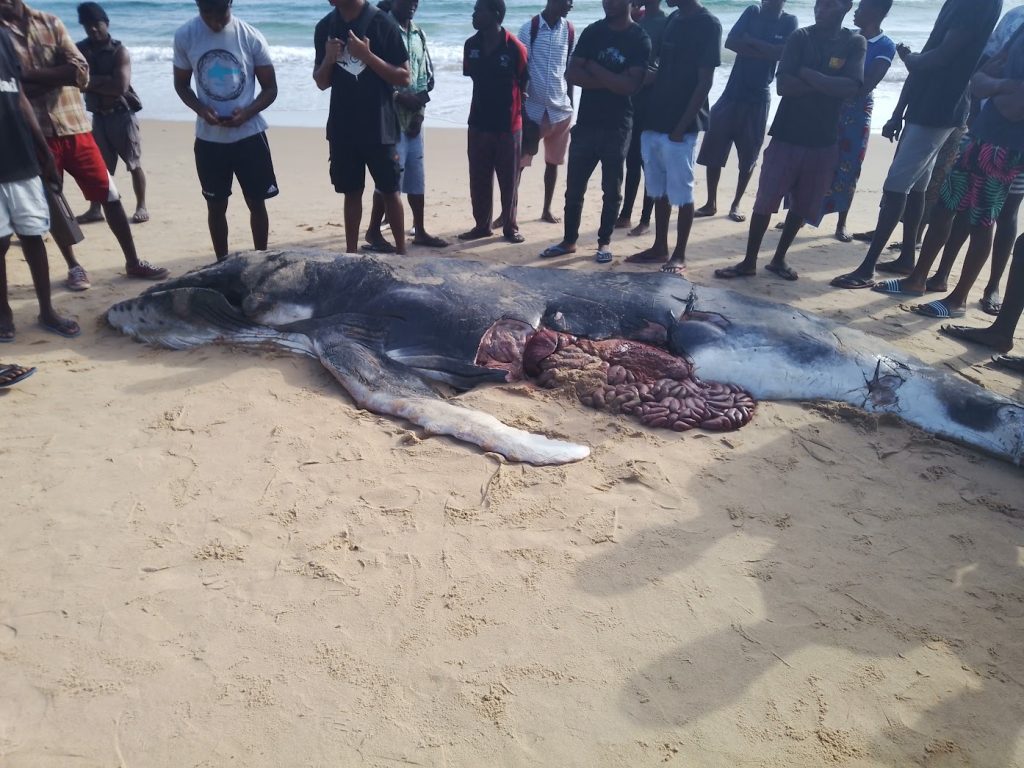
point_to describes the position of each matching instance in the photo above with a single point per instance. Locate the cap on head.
(90, 13)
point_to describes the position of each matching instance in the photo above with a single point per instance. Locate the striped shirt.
(45, 43)
(549, 91)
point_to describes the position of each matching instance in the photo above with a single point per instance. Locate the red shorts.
(79, 155)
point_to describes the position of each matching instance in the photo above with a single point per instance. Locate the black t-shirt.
(498, 78)
(616, 51)
(812, 120)
(689, 43)
(362, 103)
(18, 154)
(938, 98)
(751, 77)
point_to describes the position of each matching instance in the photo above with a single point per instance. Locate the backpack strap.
(534, 30)
(572, 41)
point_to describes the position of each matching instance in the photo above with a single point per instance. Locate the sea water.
(147, 28)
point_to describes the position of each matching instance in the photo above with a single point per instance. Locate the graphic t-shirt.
(18, 158)
(617, 51)
(362, 102)
(689, 43)
(939, 98)
(498, 77)
(751, 78)
(223, 66)
(811, 120)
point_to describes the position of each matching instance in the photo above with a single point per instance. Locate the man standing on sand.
(410, 104)
(227, 58)
(23, 208)
(934, 102)
(360, 56)
(821, 66)
(677, 110)
(549, 39)
(496, 61)
(53, 71)
(608, 65)
(740, 116)
(110, 98)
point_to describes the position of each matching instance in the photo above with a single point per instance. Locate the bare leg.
(658, 252)
(374, 236)
(35, 255)
(794, 222)
(117, 220)
(977, 254)
(939, 226)
(957, 237)
(710, 208)
(913, 212)
(396, 216)
(1002, 245)
(684, 223)
(217, 218)
(259, 222)
(353, 216)
(139, 186)
(741, 187)
(889, 215)
(759, 223)
(550, 178)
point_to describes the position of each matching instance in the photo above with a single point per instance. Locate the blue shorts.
(668, 166)
(410, 159)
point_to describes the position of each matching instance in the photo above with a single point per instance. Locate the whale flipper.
(379, 384)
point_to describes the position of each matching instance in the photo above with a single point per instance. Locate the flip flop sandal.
(382, 247)
(6, 334)
(603, 256)
(931, 285)
(673, 269)
(555, 251)
(69, 329)
(430, 242)
(852, 282)
(739, 218)
(730, 273)
(514, 237)
(786, 273)
(988, 306)
(474, 234)
(864, 237)
(938, 310)
(11, 374)
(895, 288)
(1009, 362)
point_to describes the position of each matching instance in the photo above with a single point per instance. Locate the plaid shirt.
(45, 43)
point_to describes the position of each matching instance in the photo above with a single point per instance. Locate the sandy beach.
(212, 558)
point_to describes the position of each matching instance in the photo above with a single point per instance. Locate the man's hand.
(209, 116)
(50, 173)
(408, 100)
(237, 118)
(892, 129)
(415, 126)
(333, 49)
(677, 136)
(908, 57)
(358, 47)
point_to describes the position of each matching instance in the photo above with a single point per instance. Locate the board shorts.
(117, 136)
(79, 155)
(23, 208)
(804, 174)
(980, 181)
(248, 159)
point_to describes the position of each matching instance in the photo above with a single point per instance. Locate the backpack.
(535, 30)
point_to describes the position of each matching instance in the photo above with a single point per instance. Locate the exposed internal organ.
(636, 379)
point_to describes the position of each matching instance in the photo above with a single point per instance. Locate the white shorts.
(23, 208)
(668, 166)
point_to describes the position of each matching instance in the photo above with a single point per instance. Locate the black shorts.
(350, 161)
(734, 122)
(248, 159)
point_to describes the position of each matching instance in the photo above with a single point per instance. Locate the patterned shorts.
(980, 181)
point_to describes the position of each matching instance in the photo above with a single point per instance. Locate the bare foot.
(498, 223)
(649, 256)
(735, 215)
(704, 211)
(984, 336)
(639, 229)
(475, 234)
(622, 223)
(91, 216)
(550, 218)
(141, 215)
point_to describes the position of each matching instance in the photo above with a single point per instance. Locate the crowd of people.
(644, 79)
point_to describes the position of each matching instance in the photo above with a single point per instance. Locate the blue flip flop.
(894, 288)
(938, 310)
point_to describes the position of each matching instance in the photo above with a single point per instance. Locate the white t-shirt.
(223, 67)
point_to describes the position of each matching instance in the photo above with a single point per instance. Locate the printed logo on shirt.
(505, 61)
(836, 63)
(611, 58)
(9, 86)
(220, 75)
(351, 64)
